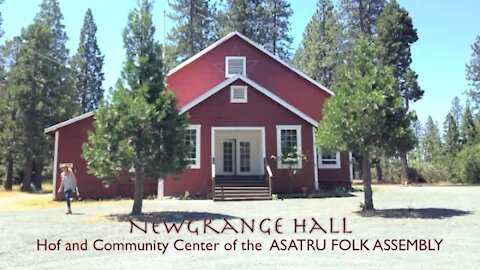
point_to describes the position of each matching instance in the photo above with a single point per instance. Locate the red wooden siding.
(209, 70)
(260, 111)
(333, 178)
(70, 142)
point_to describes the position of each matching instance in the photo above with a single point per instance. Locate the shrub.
(467, 165)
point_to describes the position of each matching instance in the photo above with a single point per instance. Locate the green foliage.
(194, 29)
(360, 18)
(88, 63)
(431, 141)
(361, 89)
(141, 128)
(468, 130)
(468, 164)
(319, 51)
(451, 135)
(473, 72)
(265, 22)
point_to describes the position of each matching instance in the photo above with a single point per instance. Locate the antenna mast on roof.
(164, 42)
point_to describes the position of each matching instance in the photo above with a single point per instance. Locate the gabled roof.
(256, 86)
(68, 122)
(232, 34)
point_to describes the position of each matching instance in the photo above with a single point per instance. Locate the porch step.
(231, 193)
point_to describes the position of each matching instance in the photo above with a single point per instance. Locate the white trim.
(212, 137)
(198, 130)
(227, 37)
(238, 100)
(350, 160)
(243, 58)
(337, 165)
(68, 122)
(280, 165)
(256, 86)
(55, 162)
(315, 159)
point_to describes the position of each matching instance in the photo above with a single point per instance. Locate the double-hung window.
(289, 147)
(329, 160)
(192, 139)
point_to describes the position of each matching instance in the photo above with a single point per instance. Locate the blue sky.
(445, 29)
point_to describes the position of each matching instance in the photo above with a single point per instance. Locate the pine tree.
(456, 111)
(141, 128)
(395, 35)
(468, 130)
(194, 29)
(473, 73)
(42, 88)
(319, 51)
(278, 24)
(431, 142)
(360, 18)
(265, 22)
(451, 135)
(361, 89)
(88, 63)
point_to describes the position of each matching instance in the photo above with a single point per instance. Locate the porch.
(240, 170)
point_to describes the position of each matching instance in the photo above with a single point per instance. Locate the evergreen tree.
(360, 18)
(361, 89)
(265, 22)
(473, 72)
(194, 28)
(88, 62)
(456, 111)
(141, 128)
(468, 130)
(451, 135)
(431, 142)
(319, 50)
(394, 39)
(278, 24)
(42, 88)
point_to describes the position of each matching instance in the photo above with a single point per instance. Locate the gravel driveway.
(448, 213)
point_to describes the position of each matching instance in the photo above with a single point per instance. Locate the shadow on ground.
(169, 216)
(421, 213)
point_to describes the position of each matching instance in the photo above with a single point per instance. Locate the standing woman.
(68, 184)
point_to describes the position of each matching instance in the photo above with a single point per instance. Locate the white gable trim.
(68, 122)
(227, 37)
(256, 86)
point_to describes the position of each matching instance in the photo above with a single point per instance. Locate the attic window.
(238, 94)
(235, 65)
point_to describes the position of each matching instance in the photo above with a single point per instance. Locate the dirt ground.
(451, 214)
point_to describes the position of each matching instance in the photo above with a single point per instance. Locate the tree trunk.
(27, 174)
(378, 171)
(9, 180)
(138, 196)
(405, 176)
(367, 182)
(38, 174)
(358, 161)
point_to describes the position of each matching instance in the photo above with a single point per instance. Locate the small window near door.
(289, 151)
(192, 139)
(238, 94)
(329, 160)
(235, 65)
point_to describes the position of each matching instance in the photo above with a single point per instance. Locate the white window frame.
(197, 129)
(280, 165)
(228, 75)
(236, 100)
(337, 165)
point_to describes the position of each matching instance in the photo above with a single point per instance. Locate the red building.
(252, 129)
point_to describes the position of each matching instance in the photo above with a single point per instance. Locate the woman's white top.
(68, 183)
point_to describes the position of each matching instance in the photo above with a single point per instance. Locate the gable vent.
(238, 94)
(235, 65)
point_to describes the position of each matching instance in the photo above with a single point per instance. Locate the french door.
(236, 157)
